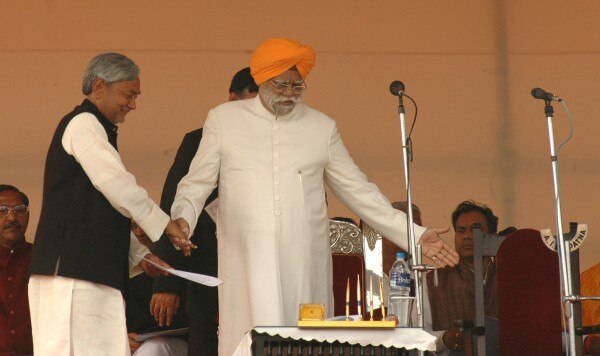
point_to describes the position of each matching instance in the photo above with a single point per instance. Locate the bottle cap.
(400, 255)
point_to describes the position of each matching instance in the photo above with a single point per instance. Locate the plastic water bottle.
(400, 280)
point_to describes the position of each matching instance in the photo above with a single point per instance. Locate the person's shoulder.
(193, 135)
(314, 114)
(25, 249)
(233, 106)
(232, 112)
(85, 118)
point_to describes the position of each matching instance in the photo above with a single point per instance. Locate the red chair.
(529, 307)
(348, 263)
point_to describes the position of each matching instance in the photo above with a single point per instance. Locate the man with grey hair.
(79, 267)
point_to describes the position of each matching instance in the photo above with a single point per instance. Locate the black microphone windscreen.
(539, 93)
(396, 87)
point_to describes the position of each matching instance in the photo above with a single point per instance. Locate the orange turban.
(277, 55)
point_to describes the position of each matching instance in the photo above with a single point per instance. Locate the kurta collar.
(92, 108)
(260, 110)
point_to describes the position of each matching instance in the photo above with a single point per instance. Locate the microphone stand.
(563, 247)
(415, 250)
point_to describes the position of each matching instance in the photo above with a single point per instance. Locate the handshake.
(178, 232)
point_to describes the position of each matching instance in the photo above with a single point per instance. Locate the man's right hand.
(183, 225)
(179, 237)
(163, 306)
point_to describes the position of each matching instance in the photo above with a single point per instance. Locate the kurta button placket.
(276, 197)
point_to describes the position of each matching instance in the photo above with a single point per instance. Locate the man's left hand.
(150, 269)
(436, 249)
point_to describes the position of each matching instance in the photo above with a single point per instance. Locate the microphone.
(397, 88)
(540, 93)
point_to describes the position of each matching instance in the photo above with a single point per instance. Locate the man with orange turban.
(270, 156)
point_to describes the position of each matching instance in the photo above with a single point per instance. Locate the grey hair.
(110, 67)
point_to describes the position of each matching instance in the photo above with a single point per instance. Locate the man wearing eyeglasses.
(270, 157)
(15, 254)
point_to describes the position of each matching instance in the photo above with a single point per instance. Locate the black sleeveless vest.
(78, 228)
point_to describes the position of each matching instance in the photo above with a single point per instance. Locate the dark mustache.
(12, 224)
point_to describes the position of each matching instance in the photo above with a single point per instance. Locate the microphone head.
(397, 87)
(539, 93)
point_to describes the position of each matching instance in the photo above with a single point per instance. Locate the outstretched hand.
(179, 236)
(436, 249)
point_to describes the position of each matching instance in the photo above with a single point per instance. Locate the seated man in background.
(454, 297)
(138, 317)
(15, 254)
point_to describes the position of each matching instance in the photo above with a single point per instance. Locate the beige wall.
(469, 64)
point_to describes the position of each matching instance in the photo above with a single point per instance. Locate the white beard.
(273, 102)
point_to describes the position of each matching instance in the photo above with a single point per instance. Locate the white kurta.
(273, 228)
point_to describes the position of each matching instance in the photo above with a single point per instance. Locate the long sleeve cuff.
(155, 223)
(419, 230)
(189, 214)
(136, 252)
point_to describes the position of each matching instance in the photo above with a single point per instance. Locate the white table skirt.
(409, 338)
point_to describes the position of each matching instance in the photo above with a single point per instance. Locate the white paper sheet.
(171, 332)
(194, 277)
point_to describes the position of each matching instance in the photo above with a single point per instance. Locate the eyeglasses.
(19, 210)
(282, 87)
